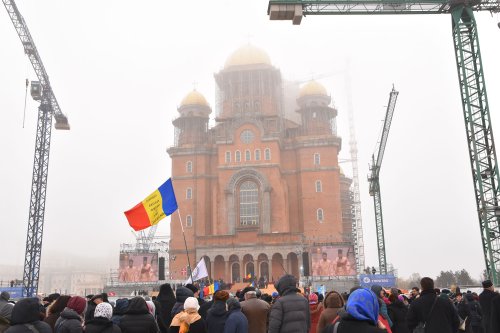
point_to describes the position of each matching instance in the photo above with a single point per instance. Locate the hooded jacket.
(26, 312)
(120, 307)
(181, 294)
(236, 321)
(332, 304)
(69, 322)
(166, 298)
(216, 317)
(101, 325)
(290, 313)
(397, 312)
(137, 318)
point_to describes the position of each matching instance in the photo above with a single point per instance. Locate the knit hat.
(192, 287)
(221, 295)
(5, 295)
(78, 304)
(313, 298)
(191, 303)
(104, 310)
(487, 284)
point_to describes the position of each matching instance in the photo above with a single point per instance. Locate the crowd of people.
(362, 310)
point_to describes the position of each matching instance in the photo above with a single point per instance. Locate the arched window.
(189, 193)
(319, 187)
(319, 214)
(237, 156)
(189, 221)
(257, 154)
(267, 154)
(228, 157)
(248, 156)
(189, 166)
(249, 204)
(317, 159)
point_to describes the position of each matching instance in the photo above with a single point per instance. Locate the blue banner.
(384, 280)
(15, 292)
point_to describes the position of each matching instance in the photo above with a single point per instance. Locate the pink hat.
(313, 298)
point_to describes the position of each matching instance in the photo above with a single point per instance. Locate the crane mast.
(482, 154)
(48, 108)
(374, 179)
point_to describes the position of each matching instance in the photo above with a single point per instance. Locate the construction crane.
(373, 179)
(41, 91)
(482, 154)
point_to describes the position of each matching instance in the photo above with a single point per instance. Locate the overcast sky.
(120, 68)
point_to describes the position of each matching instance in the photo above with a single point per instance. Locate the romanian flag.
(211, 289)
(155, 207)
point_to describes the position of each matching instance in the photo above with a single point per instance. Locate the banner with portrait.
(334, 260)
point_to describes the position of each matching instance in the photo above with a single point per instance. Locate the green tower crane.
(483, 158)
(373, 178)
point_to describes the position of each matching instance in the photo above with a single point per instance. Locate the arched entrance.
(220, 271)
(235, 272)
(249, 270)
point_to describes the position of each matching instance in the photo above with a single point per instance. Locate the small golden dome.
(247, 55)
(194, 98)
(312, 88)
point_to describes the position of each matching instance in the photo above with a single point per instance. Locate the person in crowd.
(414, 294)
(101, 323)
(290, 312)
(379, 291)
(438, 315)
(315, 309)
(275, 295)
(360, 316)
(54, 310)
(196, 292)
(119, 310)
(51, 299)
(166, 298)
(495, 315)
(256, 311)
(181, 294)
(137, 318)
(236, 321)
(217, 314)
(5, 311)
(485, 299)
(267, 298)
(161, 324)
(71, 318)
(473, 314)
(188, 320)
(91, 305)
(25, 318)
(332, 304)
(397, 312)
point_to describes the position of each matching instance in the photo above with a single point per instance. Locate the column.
(227, 273)
(242, 271)
(212, 270)
(270, 264)
(285, 265)
(301, 264)
(256, 269)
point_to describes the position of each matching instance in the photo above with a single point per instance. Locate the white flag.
(199, 272)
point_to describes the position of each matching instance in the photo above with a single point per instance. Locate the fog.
(119, 69)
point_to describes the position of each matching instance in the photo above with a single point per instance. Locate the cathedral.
(260, 192)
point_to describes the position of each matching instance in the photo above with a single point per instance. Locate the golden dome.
(247, 55)
(194, 98)
(312, 88)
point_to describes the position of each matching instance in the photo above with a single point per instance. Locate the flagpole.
(185, 245)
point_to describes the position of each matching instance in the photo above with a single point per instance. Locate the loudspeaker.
(161, 268)
(305, 263)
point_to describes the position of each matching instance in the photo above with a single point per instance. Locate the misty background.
(119, 69)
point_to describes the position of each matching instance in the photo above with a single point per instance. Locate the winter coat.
(89, 313)
(191, 318)
(181, 294)
(119, 310)
(348, 324)
(382, 305)
(257, 313)
(332, 304)
(398, 311)
(443, 319)
(315, 311)
(166, 298)
(137, 318)
(495, 314)
(485, 299)
(216, 317)
(69, 322)
(236, 322)
(5, 313)
(26, 312)
(204, 309)
(51, 319)
(290, 313)
(101, 325)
